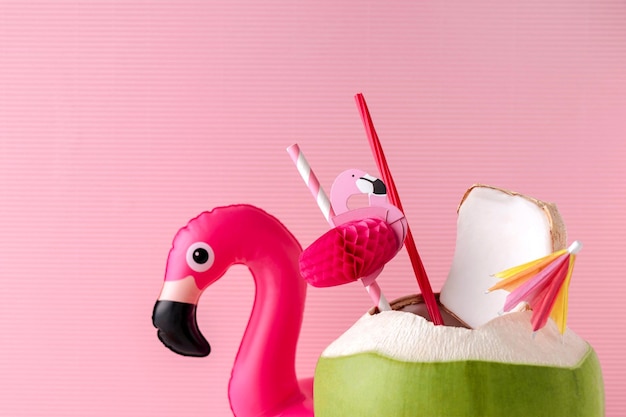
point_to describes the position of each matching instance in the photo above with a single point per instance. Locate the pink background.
(120, 120)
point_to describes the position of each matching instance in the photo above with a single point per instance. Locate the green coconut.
(482, 364)
(399, 364)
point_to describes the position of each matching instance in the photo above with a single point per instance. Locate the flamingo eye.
(200, 256)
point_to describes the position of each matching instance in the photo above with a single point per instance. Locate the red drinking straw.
(416, 261)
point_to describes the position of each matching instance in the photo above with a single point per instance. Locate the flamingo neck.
(263, 376)
(379, 200)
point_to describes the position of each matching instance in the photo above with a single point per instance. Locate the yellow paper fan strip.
(511, 271)
(516, 276)
(559, 311)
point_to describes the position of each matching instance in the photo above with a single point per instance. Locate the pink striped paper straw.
(311, 181)
(377, 296)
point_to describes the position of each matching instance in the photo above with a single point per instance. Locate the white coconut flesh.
(496, 230)
(408, 337)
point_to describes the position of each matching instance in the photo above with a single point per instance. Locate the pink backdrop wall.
(120, 120)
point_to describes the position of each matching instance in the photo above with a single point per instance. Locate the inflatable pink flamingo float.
(263, 381)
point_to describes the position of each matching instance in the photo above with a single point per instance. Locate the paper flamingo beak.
(371, 185)
(178, 328)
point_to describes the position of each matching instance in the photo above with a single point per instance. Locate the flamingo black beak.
(178, 328)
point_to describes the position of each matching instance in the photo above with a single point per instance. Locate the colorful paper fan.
(543, 284)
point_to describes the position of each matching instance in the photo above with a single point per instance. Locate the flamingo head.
(201, 253)
(351, 182)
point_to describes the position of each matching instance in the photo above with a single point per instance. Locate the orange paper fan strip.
(512, 278)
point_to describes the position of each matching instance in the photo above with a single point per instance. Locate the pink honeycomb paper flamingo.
(363, 240)
(263, 381)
